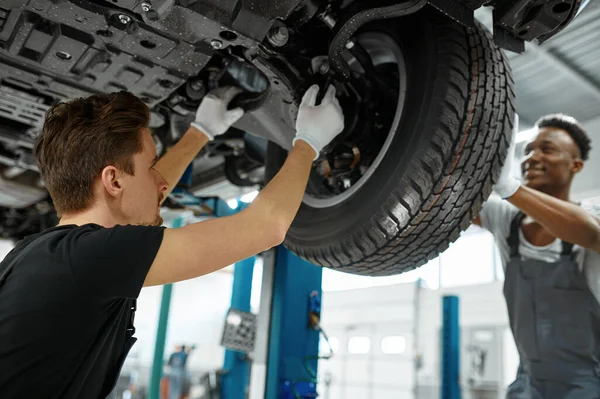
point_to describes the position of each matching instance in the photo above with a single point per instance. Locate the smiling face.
(551, 160)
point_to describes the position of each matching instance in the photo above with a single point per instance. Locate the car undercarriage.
(170, 53)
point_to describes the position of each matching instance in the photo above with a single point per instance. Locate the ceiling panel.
(561, 75)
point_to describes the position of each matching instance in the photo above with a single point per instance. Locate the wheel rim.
(382, 49)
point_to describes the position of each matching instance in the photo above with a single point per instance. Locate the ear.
(111, 180)
(577, 165)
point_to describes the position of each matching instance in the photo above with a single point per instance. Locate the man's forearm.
(567, 221)
(172, 165)
(282, 197)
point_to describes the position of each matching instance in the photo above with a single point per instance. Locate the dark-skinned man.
(550, 248)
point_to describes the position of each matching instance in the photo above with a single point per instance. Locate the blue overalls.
(555, 321)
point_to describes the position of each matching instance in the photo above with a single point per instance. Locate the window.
(393, 345)
(484, 335)
(359, 345)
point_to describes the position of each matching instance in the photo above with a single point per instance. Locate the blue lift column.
(450, 388)
(293, 345)
(287, 344)
(165, 303)
(286, 350)
(235, 380)
(161, 333)
(236, 366)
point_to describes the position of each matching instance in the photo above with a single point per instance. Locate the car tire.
(454, 135)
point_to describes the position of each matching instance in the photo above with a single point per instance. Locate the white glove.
(507, 183)
(318, 125)
(212, 116)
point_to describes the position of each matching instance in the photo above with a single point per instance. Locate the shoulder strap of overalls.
(567, 248)
(513, 237)
(28, 247)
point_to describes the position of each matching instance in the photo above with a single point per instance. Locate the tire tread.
(479, 98)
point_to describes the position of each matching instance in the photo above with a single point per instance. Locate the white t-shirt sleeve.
(496, 217)
(591, 258)
(591, 208)
(590, 253)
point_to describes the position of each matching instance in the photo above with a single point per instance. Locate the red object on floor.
(164, 388)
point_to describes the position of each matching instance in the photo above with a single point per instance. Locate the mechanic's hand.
(507, 183)
(212, 117)
(318, 125)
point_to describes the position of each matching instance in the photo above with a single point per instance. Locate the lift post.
(450, 388)
(286, 349)
(236, 369)
(287, 344)
(161, 333)
(236, 366)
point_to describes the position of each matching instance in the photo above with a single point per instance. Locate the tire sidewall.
(418, 123)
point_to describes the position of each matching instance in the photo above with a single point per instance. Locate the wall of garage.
(380, 336)
(585, 184)
(484, 329)
(357, 321)
(397, 328)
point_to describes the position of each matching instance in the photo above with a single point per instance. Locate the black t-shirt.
(66, 306)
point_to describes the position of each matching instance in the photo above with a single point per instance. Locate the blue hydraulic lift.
(293, 345)
(450, 387)
(287, 338)
(284, 361)
(290, 306)
(286, 349)
(240, 296)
